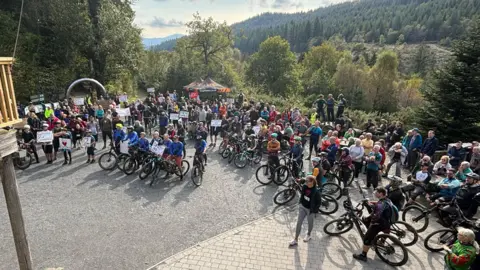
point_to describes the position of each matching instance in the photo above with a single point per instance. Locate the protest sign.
(123, 98)
(216, 123)
(183, 114)
(65, 144)
(158, 149)
(124, 147)
(79, 101)
(38, 108)
(56, 105)
(151, 90)
(174, 116)
(256, 129)
(87, 141)
(44, 136)
(123, 112)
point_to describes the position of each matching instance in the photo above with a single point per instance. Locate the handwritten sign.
(158, 149)
(44, 136)
(123, 112)
(174, 116)
(183, 114)
(216, 123)
(256, 129)
(123, 98)
(87, 141)
(151, 90)
(78, 101)
(65, 144)
(124, 147)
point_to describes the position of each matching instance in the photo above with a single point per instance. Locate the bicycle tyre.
(332, 189)
(241, 160)
(333, 178)
(263, 174)
(147, 169)
(130, 166)
(330, 200)
(185, 167)
(407, 230)
(231, 157)
(108, 157)
(282, 174)
(121, 159)
(197, 176)
(424, 219)
(257, 157)
(344, 225)
(288, 193)
(23, 163)
(226, 153)
(396, 242)
(441, 231)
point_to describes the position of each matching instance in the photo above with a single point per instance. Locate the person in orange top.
(223, 110)
(337, 140)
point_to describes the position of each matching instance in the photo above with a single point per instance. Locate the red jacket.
(272, 116)
(382, 151)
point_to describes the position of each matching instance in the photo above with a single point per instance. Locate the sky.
(160, 18)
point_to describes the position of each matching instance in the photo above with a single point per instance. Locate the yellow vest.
(313, 118)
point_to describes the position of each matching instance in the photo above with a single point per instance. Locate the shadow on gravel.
(113, 179)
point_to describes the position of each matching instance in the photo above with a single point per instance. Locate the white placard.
(256, 129)
(56, 105)
(216, 123)
(183, 114)
(22, 153)
(230, 100)
(44, 136)
(65, 144)
(151, 90)
(124, 147)
(38, 108)
(123, 112)
(123, 98)
(79, 101)
(26, 111)
(172, 96)
(158, 149)
(174, 116)
(87, 141)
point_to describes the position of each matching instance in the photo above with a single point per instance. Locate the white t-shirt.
(421, 176)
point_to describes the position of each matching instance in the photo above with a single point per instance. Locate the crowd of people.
(354, 151)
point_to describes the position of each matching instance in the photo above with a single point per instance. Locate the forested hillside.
(377, 21)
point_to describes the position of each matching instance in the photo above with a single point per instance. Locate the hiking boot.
(360, 257)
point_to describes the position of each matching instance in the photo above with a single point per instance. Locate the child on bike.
(176, 151)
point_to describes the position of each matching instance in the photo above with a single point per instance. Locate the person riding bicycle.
(29, 139)
(466, 198)
(200, 147)
(318, 170)
(252, 142)
(157, 139)
(296, 153)
(273, 147)
(176, 151)
(132, 137)
(143, 143)
(248, 130)
(448, 188)
(118, 135)
(325, 163)
(377, 222)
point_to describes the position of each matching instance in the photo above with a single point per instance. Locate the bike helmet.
(323, 154)
(119, 125)
(473, 175)
(26, 127)
(316, 159)
(199, 137)
(297, 138)
(274, 135)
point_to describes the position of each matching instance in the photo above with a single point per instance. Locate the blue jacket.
(457, 154)
(417, 143)
(168, 145)
(144, 144)
(332, 151)
(430, 146)
(132, 138)
(163, 121)
(118, 135)
(297, 151)
(176, 149)
(265, 115)
(315, 133)
(453, 186)
(200, 147)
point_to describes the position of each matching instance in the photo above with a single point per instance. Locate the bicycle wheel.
(415, 216)
(257, 157)
(130, 166)
(282, 174)
(23, 163)
(263, 175)
(197, 176)
(232, 156)
(121, 159)
(264, 147)
(185, 167)
(333, 178)
(387, 248)
(332, 189)
(338, 226)
(241, 160)
(222, 147)
(404, 232)
(436, 240)
(284, 196)
(147, 169)
(329, 205)
(349, 183)
(107, 161)
(226, 153)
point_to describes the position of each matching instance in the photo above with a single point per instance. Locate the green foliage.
(274, 68)
(452, 101)
(382, 21)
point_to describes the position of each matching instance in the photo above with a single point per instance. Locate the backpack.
(392, 214)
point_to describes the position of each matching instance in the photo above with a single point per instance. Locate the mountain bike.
(134, 161)
(247, 157)
(328, 206)
(419, 216)
(386, 246)
(197, 171)
(111, 159)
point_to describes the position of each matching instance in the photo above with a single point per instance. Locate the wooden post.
(10, 189)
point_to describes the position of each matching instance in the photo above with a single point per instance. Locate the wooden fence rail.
(8, 104)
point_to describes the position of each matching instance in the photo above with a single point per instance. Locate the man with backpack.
(384, 214)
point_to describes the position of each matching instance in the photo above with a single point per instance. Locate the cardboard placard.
(158, 149)
(124, 147)
(123, 112)
(216, 123)
(123, 98)
(151, 90)
(65, 144)
(87, 141)
(79, 101)
(174, 116)
(183, 114)
(44, 136)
